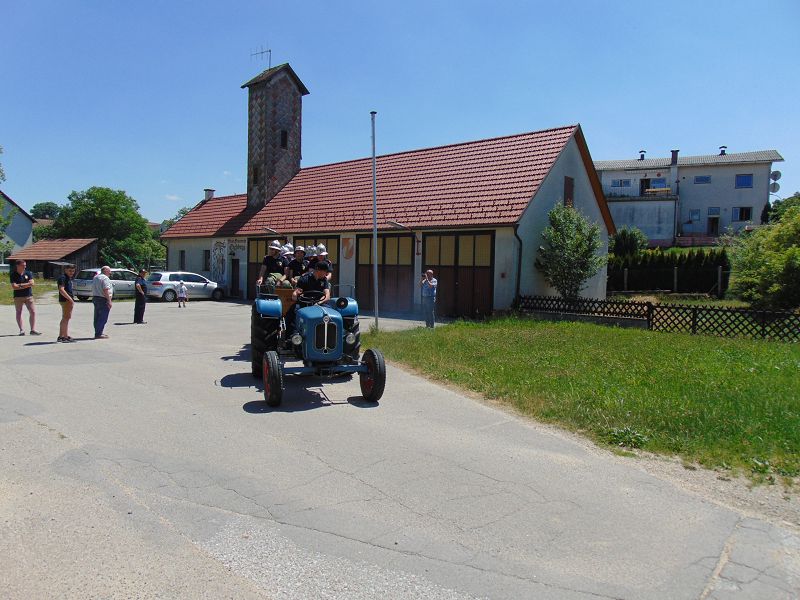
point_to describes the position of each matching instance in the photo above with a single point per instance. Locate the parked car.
(164, 285)
(122, 280)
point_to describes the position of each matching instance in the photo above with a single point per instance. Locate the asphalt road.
(147, 465)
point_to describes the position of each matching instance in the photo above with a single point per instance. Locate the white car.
(122, 280)
(164, 285)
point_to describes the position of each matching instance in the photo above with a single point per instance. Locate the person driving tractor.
(313, 281)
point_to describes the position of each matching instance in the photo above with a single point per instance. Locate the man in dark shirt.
(272, 263)
(66, 301)
(140, 287)
(22, 284)
(315, 281)
(298, 265)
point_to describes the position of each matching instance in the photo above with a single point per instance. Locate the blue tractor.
(325, 338)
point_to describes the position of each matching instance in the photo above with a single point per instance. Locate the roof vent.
(641, 154)
(209, 194)
(722, 150)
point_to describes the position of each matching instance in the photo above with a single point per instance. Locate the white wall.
(534, 220)
(20, 230)
(656, 218)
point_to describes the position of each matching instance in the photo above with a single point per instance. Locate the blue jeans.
(429, 310)
(101, 311)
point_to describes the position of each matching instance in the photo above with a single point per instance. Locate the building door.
(396, 281)
(713, 226)
(463, 265)
(235, 291)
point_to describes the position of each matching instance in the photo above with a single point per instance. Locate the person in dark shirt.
(314, 281)
(322, 253)
(66, 301)
(298, 265)
(140, 286)
(22, 284)
(272, 266)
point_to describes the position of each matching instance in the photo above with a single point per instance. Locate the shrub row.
(654, 270)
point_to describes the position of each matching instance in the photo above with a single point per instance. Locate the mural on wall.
(218, 253)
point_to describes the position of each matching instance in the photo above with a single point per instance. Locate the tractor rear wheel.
(272, 374)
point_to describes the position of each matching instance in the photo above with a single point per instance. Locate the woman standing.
(141, 298)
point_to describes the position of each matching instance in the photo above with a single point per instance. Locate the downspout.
(519, 266)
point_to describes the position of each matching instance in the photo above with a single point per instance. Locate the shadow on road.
(242, 354)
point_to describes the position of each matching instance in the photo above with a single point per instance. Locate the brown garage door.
(462, 263)
(395, 272)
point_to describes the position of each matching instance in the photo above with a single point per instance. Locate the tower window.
(255, 175)
(284, 139)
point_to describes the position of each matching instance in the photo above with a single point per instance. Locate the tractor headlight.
(297, 339)
(350, 338)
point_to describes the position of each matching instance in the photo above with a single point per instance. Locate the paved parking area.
(147, 465)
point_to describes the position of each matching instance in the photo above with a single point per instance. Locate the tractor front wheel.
(373, 381)
(272, 375)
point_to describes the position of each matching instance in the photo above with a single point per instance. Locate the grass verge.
(724, 403)
(42, 287)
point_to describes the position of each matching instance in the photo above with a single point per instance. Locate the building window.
(206, 260)
(660, 182)
(284, 139)
(742, 213)
(744, 181)
(255, 176)
(698, 179)
(620, 183)
(713, 211)
(182, 260)
(569, 191)
(694, 215)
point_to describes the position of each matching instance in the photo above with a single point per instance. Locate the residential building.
(20, 230)
(688, 200)
(473, 212)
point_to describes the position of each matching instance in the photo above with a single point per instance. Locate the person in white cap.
(298, 266)
(322, 253)
(272, 264)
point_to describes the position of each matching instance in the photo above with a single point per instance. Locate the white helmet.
(275, 245)
(289, 247)
(299, 249)
(321, 250)
(312, 251)
(286, 250)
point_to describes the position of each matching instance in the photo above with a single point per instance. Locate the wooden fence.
(708, 320)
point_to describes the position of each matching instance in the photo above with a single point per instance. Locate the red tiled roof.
(488, 182)
(52, 249)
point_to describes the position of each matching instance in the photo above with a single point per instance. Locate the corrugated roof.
(759, 156)
(52, 249)
(482, 183)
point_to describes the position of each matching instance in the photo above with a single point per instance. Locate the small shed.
(47, 256)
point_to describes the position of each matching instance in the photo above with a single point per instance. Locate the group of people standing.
(22, 283)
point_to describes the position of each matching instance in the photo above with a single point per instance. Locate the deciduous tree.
(569, 257)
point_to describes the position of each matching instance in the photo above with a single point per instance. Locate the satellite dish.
(774, 187)
(775, 175)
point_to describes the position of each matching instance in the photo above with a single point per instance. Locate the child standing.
(183, 294)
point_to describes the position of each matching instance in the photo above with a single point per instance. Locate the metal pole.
(374, 224)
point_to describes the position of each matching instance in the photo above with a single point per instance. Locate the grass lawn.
(42, 287)
(725, 403)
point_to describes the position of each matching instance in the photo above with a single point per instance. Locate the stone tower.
(274, 110)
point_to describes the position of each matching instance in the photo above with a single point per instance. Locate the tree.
(627, 241)
(6, 216)
(2, 173)
(45, 210)
(779, 207)
(167, 223)
(766, 263)
(113, 217)
(569, 257)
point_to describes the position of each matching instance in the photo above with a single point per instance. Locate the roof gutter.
(519, 265)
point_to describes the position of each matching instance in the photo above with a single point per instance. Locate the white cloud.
(227, 173)
(172, 197)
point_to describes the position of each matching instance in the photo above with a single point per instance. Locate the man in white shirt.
(102, 292)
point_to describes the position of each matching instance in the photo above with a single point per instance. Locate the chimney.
(641, 154)
(209, 194)
(674, 160)
(722, 150)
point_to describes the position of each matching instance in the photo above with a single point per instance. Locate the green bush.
(766, 263)
(627, 241)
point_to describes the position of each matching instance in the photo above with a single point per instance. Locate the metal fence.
(682, 318)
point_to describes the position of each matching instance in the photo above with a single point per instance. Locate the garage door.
(395, 273)
(463, 265)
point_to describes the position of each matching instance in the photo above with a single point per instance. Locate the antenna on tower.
(262, 53)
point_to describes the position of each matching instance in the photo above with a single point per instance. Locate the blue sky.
(145, 96)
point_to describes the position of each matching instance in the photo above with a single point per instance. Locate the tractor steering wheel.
(309, 298)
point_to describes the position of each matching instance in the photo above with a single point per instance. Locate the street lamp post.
(374, 223)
